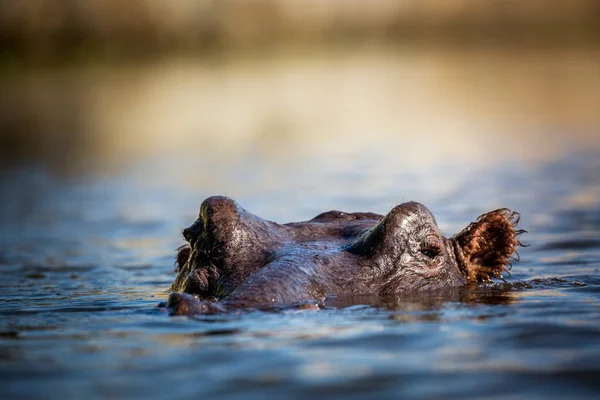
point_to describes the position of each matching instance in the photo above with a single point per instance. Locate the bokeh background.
(100, 85)
(117, 118)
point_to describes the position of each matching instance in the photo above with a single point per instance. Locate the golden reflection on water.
(406, 108)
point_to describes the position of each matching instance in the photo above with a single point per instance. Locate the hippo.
(234, 260)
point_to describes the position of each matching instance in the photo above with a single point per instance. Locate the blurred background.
(295, 107)
(98, 85)
(117, 118)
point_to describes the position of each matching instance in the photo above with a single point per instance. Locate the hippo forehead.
(413, 213)
(412, 220)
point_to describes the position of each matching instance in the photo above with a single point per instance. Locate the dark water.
(87, 254)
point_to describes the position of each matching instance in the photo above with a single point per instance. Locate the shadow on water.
(431, 301)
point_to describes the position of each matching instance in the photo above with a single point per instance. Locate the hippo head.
(234, 255)
(405, 251)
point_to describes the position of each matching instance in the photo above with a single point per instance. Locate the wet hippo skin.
(236, 260)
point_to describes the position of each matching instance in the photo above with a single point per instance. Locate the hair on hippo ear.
(485, 248)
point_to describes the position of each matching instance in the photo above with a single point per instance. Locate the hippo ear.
(485, 247)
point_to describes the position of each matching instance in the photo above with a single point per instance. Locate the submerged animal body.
(236, 260)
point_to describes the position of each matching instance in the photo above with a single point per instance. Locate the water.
(89, 229)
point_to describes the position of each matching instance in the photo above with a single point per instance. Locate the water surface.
(116, 162)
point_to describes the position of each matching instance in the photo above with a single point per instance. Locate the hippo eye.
(430, 252)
